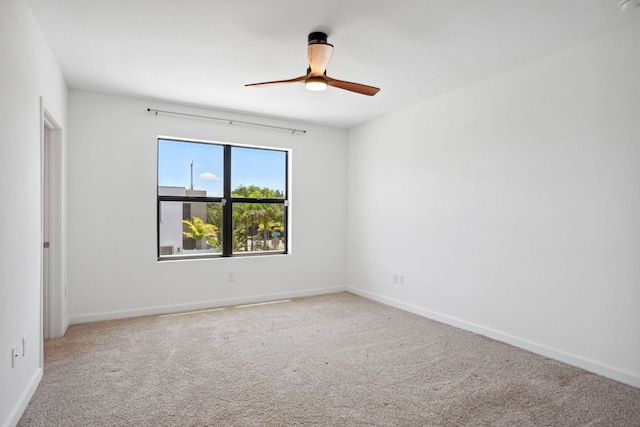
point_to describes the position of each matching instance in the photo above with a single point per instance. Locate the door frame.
(54, 306)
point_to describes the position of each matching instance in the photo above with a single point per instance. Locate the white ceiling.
(202, 52)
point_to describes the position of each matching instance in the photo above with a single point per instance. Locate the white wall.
(28, 71)
(112, 198)
(512, 207)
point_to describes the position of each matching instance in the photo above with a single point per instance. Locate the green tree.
(199, 230)
(270, 221)
(255, 192)
(214, 216)
(251, 220)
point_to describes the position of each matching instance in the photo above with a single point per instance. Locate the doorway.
(53, 293)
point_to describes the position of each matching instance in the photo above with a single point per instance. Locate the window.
(220, 200)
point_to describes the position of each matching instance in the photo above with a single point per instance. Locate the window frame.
(227, 201)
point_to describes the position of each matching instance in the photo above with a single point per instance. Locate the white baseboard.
(124, 314)
(18, 410)
(586, 364)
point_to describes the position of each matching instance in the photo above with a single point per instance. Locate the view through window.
(220, 200)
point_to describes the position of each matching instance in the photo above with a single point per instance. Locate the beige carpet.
(332, 360)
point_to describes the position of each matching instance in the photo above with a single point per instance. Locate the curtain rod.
(230, 121)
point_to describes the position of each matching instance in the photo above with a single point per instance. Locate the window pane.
(190, 168)
(257, 173)
(190, 228)
(258, 227)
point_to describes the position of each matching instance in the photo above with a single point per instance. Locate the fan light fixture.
(319, 54)
(315, 84)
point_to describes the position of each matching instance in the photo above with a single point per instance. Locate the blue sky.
(264, 168)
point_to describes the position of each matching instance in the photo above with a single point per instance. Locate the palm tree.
(214, 216)
(271, 221)
(246, 216)
(199, 230)
(276, 232)
(242, 224)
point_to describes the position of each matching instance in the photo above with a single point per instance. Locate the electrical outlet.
(394, 278)
(231, 277)
(401, 279)
(24, 346)
(14, 356)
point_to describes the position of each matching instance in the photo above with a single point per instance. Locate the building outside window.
(221, 200)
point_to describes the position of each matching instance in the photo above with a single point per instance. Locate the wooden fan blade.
(319, 55)
(353, 87)
(297, 79)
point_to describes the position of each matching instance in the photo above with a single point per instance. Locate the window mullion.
(190, 199)
(227, 208)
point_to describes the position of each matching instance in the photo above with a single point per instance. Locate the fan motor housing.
(317, 37)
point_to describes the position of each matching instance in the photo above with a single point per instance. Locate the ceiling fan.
(319, 54)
